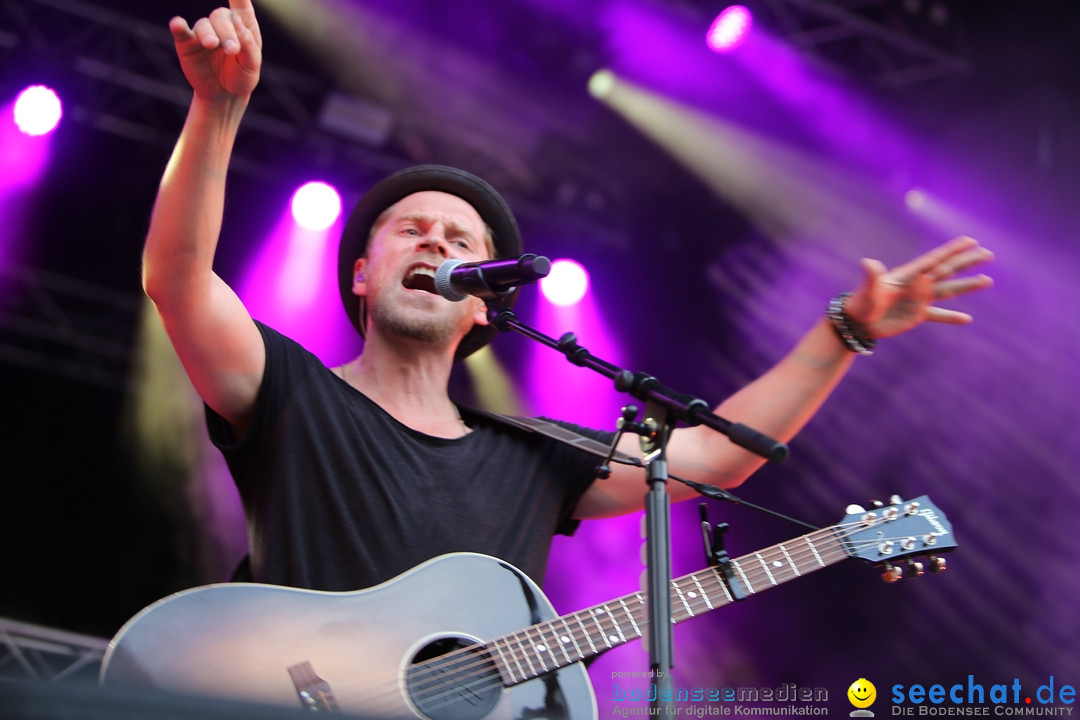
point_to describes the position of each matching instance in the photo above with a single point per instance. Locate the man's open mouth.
(420, 277)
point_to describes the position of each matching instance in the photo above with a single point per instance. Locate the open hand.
(221, 55)
(889, 302)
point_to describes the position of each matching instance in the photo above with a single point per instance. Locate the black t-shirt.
(339, 495)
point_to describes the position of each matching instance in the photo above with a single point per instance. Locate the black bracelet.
(849, 332)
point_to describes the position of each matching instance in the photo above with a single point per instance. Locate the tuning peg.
(892, 574)
(937, 564)
(854, 509)
(895, 500)
(915, 568)
(877, 504)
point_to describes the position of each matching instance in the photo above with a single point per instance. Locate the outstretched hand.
(221, 55)
(889, 302)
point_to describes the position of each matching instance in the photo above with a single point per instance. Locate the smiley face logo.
(862, 693)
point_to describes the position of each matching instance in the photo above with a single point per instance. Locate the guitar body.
(349, 651)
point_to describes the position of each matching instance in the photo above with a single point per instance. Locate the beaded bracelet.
(848, 330)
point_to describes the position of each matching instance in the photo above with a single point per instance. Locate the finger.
(224, 25)
(872, 270)
(928, 261)
(961, 286)
(206, 34)
(244, 10)
(948, 317)
(250, 47)
(947, 268)
(976, 256)
(180, 31)
(861, 303)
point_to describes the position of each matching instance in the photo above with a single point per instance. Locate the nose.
(434, 241)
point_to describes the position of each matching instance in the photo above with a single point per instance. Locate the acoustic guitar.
(460, 637)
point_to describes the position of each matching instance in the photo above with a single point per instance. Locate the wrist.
(853, 335)
(219, 109)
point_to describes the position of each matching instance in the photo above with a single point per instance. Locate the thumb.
(872, 270)
(860, 305)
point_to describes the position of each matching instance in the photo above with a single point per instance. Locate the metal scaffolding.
(34, 653)
(892, 44)
(66, 326)
(130, 84)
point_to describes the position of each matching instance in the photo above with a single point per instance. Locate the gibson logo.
(931, 517)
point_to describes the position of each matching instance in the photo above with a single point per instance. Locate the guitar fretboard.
(553, 644)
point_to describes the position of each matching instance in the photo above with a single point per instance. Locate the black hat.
(492, 209)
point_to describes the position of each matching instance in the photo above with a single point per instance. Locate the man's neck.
(409, 384)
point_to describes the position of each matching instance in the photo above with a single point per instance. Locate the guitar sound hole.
(453, 679)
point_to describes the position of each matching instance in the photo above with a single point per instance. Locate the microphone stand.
(664, 408)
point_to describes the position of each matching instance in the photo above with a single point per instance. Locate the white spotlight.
(38, 110)
(316, 206)
(566, 284)
(601, 83)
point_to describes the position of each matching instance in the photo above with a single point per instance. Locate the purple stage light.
(38, 110)
(729, 29)
(316, 206)
(566, 284)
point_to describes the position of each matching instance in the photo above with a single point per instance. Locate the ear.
(480, 317)
(359, 281)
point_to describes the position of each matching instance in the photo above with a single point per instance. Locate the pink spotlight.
(38, 110)
(729, 29)
(566, 284)
(316, 206)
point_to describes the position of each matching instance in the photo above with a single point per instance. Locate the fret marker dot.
(612, 638)
(777, 564)
(691, 594)
(541, 648)
(564, 639)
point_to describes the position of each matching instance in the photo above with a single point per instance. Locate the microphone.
(456, 279)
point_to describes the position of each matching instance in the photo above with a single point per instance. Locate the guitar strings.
(475, 668)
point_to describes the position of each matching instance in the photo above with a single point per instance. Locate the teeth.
(420, 278)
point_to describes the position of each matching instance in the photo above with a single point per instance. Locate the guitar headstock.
(898, 531)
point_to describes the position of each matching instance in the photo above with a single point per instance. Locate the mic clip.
(626, 424)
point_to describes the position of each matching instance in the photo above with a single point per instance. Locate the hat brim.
(491, 207)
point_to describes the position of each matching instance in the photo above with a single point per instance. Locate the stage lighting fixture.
(38, 110)
(316, 206)
(601, 83)
(566, 284)
(729, 29)
(914, 199)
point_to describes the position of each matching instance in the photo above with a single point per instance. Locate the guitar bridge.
(314, 692)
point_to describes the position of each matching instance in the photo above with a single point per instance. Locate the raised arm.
(782, 401)
(212, 332)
